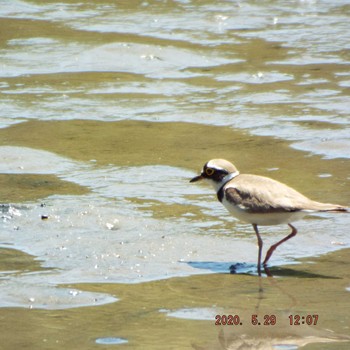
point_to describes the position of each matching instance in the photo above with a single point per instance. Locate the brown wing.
(253, 204)
(258, 194)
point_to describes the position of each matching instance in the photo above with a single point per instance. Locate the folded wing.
(258, 194)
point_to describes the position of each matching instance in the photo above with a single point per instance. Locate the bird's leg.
(260, 244)
(274, 246)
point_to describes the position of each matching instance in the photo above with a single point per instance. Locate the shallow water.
(107, 110)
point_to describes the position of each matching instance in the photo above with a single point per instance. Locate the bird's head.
(216, 171)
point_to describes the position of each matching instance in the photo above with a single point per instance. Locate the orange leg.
(274, 246)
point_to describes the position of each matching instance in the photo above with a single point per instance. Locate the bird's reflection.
(281, 338)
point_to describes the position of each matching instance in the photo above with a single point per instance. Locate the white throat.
(224, 181)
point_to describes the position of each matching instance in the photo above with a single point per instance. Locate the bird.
(260, 200)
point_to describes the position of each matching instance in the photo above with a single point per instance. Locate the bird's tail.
(338, 209)
(329, 207)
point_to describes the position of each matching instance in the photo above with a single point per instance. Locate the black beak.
(197, 178)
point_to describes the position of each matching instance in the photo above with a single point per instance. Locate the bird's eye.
(209, 171)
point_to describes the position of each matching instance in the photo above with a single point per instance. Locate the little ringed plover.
(260, 200)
